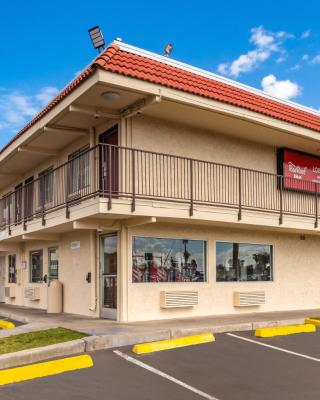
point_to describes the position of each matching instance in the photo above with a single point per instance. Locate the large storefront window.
(243, 262)
(168, 260)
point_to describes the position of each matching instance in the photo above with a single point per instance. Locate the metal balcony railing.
(115, 172)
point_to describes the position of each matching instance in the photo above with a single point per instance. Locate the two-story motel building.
(152, 190)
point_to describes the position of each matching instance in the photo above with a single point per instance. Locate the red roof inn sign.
(300, 171)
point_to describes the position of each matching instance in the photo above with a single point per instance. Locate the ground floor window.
(36, 263)
(53, 263)
(12, 269)
(243, 262)
(168, 260)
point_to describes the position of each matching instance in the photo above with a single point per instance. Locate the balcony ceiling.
(14, 166)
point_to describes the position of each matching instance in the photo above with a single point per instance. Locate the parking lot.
(237, 366)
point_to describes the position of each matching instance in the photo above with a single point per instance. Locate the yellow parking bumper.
(284, 330)
(168, 344)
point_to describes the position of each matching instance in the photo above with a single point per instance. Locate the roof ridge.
(106, 56)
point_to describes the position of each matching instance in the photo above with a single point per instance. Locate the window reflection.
(168, 260)
(243, 262)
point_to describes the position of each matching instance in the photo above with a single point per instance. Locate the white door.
(2, 278)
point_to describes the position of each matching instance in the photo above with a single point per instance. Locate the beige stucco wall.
(74, 264)
(168, 137)
(295, 285)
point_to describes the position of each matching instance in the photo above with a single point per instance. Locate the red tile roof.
(138, 66)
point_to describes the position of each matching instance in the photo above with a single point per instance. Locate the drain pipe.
(93, 269)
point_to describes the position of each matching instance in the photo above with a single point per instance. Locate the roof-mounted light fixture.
(168, 49)
(97, 38)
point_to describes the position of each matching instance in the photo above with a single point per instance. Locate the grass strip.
(36, 339)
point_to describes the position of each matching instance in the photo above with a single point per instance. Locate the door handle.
(88, 277)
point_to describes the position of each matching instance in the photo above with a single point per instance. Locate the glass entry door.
(109, 276)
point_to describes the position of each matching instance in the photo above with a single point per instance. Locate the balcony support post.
(110, 177)
(281, 199)
(43, 209)
(9, 214)
(316, 204)
(133, 205)
(191, 189)
(240, 194)
(67, 210)
(25, 202)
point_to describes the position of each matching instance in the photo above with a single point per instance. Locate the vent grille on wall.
(178, 298)
(32, 293)
(10, 291)
(247, 299)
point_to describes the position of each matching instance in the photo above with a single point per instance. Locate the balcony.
(119, 173)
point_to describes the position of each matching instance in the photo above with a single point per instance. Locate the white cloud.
(285, 89)
(315, 59)
(295, 67)
(46, 94)
(305, 34)
(305, 57)
(16, 108)
(266, 43)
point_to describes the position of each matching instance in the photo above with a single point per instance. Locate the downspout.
(93, 270)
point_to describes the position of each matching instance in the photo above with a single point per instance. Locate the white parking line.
(274, 347)
(164, 375)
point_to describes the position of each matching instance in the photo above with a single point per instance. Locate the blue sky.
(271, 46)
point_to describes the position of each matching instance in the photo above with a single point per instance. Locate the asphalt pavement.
(231, 368)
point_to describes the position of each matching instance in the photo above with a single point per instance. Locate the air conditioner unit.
(32, 293)
(10, 291)
(178, 298)
(247, 299)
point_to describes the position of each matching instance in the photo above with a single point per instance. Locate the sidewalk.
(106, 334)
(38, 319)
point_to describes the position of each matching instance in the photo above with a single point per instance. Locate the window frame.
(15, 268)
(206, 241)
(30, 266)
(272, 245)
(50, 249)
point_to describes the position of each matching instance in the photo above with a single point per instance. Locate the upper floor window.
(36, 265)
(78, 170)
(12, 269)
(46, 186)
(168, 260)
(243, 262)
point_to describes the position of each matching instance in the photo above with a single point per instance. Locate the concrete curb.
(42, 353)
(100, 342)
